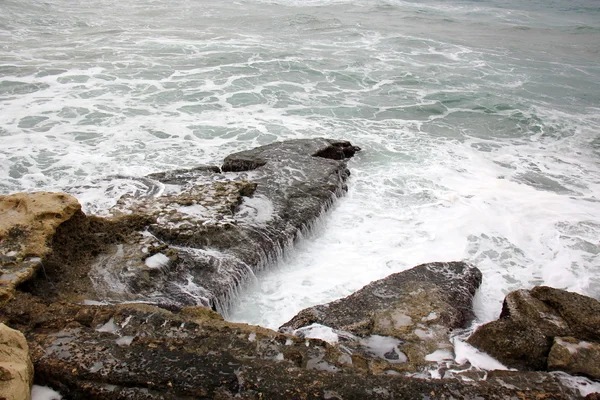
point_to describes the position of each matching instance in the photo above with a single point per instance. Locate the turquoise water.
(479, 121)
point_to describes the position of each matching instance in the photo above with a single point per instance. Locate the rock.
(581, 313)
(414, 310)
(574, 356)
(27, 223)
(514, 344)
(143, 352)
(196, 235)
(530, 322)
(16, 369)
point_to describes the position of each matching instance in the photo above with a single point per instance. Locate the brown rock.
(575, 356)
(529, 324)
(16, 369)
(514, 344)
(28, 221)
(581, 313)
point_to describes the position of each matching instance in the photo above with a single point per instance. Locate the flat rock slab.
(195, 236)
(143, 352)
(403, 317)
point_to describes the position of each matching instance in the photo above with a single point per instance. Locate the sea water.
(479, 123)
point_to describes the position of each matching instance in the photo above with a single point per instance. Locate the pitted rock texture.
(530, 323)
(28, 222)
(574, 356)
(143, 352)
(199, 234)
(16, 369)
(418, 307)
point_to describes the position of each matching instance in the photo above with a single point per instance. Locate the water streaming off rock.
(479, 123)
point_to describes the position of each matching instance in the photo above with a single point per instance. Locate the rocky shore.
(129, 306)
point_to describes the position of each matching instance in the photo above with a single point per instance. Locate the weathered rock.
(75, 245)
(206, 232)
(16, 369)
(529, 323)
(514, 344)
(27, 223)
(575, 356)
(581, 313)
(143, 352)
(417, 307)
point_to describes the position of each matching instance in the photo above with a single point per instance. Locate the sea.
(479, 123)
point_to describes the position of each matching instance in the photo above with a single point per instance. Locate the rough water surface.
(479, 122)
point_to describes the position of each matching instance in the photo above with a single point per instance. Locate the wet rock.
(530, 322)
(514, 344)
(581, 313)
(408, 314)
(143, 352)
(197, 235)
(575, 356)
(16, 369)
(28, 221)
(215, 231)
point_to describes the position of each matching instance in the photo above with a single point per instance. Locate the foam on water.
(478, 122)
(44, 393)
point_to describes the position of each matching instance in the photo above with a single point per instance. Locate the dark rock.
(581, 313)
(514, 344)
(530, 323)
(143, 352)
(205, 232)
(418, 307)
(184, 176)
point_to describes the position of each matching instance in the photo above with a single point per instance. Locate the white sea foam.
(109, 327)
(44, 393)
(157, 261)
(464, 352)
(384, 347)
(318, 331)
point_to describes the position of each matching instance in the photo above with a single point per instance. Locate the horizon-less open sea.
(479, 123)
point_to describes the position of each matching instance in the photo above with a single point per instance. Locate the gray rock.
(206, 232)
(418, 307)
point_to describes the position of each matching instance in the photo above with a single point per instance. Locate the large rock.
(529, 324)
(407, 316)
(16, 369)
(195, 236)
(28, 222)
(143, 352)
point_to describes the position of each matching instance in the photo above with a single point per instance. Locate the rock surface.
(16, 369)
(417, 307)
(574, 356)
(28, 221)
(202, 233)
(144, 352)
(534, 322)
